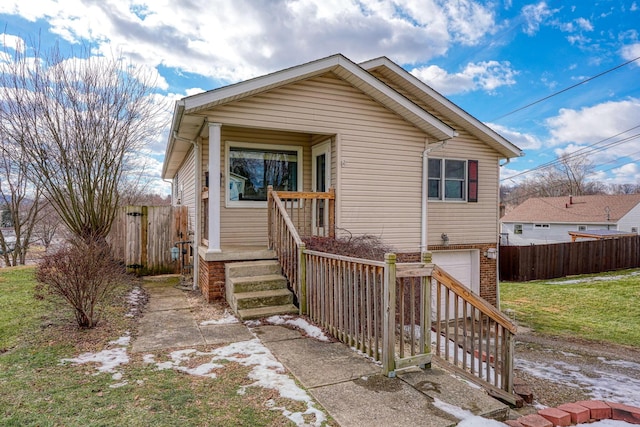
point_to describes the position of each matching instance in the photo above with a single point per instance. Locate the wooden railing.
(471, 335)
(394, 312)
(312, 213)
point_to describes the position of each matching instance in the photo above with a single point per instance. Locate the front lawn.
(36, 389)
(603, 307)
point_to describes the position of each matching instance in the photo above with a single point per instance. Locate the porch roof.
(188, 123)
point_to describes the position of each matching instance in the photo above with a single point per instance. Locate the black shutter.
(472, 181)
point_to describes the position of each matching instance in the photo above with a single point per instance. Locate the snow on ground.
(600, 385)
(134, 299)
(300, 323)
(266, 372)
(107, 360)
(226, 319)
(594, 279)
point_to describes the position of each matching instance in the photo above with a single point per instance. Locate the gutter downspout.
(196, 226)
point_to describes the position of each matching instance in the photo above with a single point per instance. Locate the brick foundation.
(211, 280)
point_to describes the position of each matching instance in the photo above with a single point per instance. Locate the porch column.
(214, 187)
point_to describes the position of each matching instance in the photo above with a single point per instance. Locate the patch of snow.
(134, 298)
(621, 363)
(454, 410)
(108, 360)
(602, 386)
(366, 356)
(594, 279)
(122, 341)
(309, 329)
(266, 372)
(226, 319)
(477, 421)
(606, 423)
(252, 323)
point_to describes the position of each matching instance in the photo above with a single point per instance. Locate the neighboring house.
(406, 164)
(543, 220)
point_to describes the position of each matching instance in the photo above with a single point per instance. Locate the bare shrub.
(83, 273)
(365, 246)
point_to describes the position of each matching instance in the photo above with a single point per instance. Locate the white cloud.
(485, 75)
(584, 24)
(591, 124)
(239, 39)
(524, 141)
(535, 15)
(12, 42)
(631, 51)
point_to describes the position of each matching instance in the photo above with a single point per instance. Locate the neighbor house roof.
(599, 209)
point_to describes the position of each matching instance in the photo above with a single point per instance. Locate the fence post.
(425, 310)
(332, 213)
(302, 278)
(389, 322)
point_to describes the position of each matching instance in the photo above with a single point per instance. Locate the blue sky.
(489, 57)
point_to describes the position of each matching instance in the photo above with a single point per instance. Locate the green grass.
(37, 390)
(598, 310)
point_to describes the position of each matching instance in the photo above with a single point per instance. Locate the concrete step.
(266, 298)
(252, 268)
(257, 283)
(260, 312)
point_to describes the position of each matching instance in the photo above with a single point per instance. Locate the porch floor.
(238, 253)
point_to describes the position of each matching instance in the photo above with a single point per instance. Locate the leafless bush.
(82, 273)
(365, 246)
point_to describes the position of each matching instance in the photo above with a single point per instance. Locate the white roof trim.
(300, 72)
(386, 62)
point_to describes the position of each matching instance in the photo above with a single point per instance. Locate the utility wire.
(565, 89)
(581, 151)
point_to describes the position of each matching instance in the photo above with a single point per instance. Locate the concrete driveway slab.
(225, 334)
(380, 401)
(269, 333)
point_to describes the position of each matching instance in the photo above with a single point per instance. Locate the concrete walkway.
(349, 387)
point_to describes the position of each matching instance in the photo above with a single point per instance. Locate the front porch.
(390, 311)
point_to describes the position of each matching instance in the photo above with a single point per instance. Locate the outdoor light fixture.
(491, 253)
(445, 239)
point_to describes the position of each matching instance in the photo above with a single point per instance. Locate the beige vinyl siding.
(187, 187)
(379, 182)
(462, 222)
(248, 226)
(468, 222)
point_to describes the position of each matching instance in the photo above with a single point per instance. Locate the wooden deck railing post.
(270, 215)
(425, 311)
(332, 213)
(389, 321)
(302, 279)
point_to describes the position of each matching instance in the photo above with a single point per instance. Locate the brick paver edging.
(580, 412)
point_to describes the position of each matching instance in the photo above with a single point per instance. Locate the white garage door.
(464, 265)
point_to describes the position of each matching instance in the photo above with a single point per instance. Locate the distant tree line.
(567, 176)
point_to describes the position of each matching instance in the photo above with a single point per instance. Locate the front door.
(320, 182)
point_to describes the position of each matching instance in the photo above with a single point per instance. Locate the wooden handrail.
(287, 220)
(475, 300)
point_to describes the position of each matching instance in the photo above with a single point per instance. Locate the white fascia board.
(386, 62)
(318, 67)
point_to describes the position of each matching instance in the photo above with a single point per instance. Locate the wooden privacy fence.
(142, 237)
(538, 262)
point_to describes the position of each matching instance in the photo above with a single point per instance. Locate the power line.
(581, 151)
(566, 89)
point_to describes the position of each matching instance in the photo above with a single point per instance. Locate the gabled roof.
(600, 209)
(437, 102)
(187, 124)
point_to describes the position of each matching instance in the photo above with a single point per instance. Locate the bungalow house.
(543, 220)
(406, 165)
